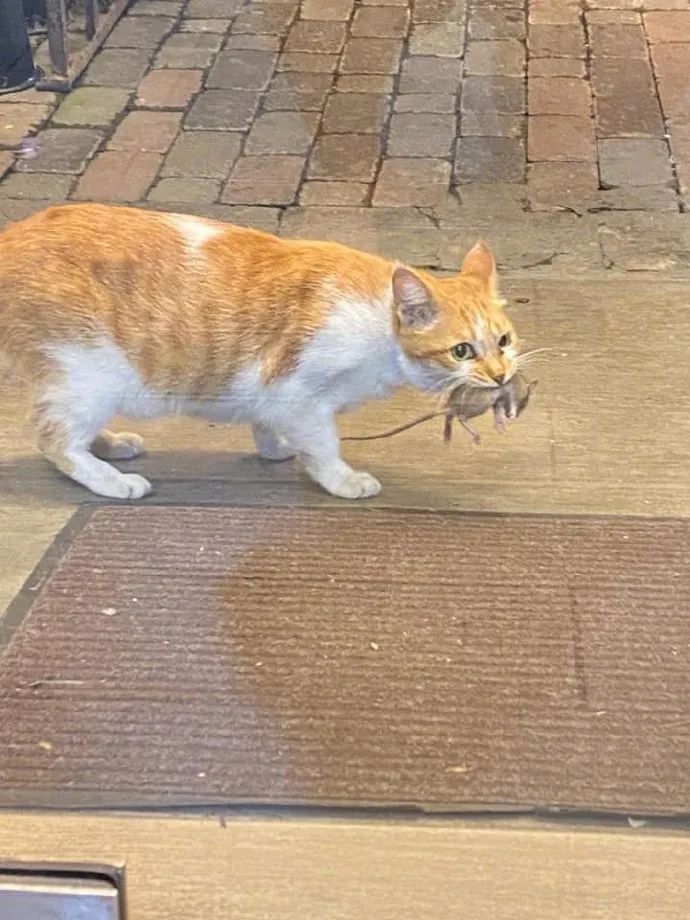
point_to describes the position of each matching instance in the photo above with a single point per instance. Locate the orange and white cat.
(117, 311)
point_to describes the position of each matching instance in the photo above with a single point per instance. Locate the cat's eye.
(463, 351)
(505, 340)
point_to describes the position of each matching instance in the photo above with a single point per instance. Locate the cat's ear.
(413, 300)
(480, 263)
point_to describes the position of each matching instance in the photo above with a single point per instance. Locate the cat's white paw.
(123, 445)
(356, 485)
(123, 485)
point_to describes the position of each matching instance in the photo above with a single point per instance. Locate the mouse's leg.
(476, 437)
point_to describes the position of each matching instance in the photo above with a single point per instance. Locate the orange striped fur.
(184, 314)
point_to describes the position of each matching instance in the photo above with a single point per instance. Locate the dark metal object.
(66, 68)
(17, 71)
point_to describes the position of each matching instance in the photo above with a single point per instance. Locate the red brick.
(560, 137)
(169, 89)
(556, 41)
(556, 67)
(672, 65)
(152, 131)
(560, 96)
(626, 102)
(119, 175)
(264, 180)
(556, 186)
(669, 26)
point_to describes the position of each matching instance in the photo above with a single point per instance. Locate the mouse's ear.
(480, 263)
(413, 300)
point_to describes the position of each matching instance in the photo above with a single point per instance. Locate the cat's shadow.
(197, 477)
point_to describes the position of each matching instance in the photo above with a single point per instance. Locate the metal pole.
(17, 69)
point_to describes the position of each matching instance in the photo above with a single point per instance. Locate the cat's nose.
(500, 378)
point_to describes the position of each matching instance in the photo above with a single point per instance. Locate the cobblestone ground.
(558, 129)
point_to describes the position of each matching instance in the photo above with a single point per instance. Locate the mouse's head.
(454, 330)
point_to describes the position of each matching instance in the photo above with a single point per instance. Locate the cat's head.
(454, 329)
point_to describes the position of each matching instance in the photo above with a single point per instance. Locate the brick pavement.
(559, 127)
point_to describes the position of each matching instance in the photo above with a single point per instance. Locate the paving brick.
(170, 8)
(202, 154)
(491, 124)
(636, 198)
(618, 16)
(380, 22)
(118, 175)
(323, 37)
(17, 121)
(670, 26)
(490, 159)
(505, 95)
(62, 150)
(123, 67)
(331, 10)
(193, 191)
(282, 132)
(32, 97)
(242, 70)
(91, 105)
(430, 75)
(364, 83)
(444, 39)
(189, 50)
(352, 159)
(496, 23)
(412, 182)
(35, 186)
(646, 241)
(371, 55)
(143, 130)
(559, 186)
(298, 92)
(625, 98)
(264, 180)
(439, 11)
(266, 18)
(562, 96)
(6, 161)
(249, 42)
(350, 113)
(421, 135)
(212, 9)
(556, 67)
(633, 161)
(302, 62)
(213, 26)
(168, 89)
(425, 102)
(618, 40)
(560, 137)
(556, 41)
(499, 58)
(219, 110)
(13, 209)
(337, 194)
(672, 65)
(554, 11)
(139, 32)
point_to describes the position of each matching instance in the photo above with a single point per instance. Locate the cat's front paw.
(356, 485)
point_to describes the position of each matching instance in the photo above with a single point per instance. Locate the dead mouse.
(467, 402)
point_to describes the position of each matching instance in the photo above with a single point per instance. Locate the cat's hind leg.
(271, 447)
(121, 445)
(67, 428)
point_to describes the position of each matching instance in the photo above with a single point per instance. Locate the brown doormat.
(340, 657)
